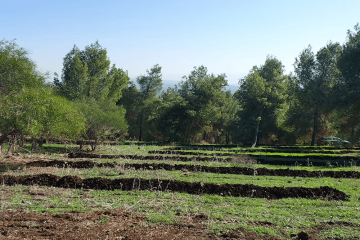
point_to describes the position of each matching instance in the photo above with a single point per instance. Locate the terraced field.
(188, 192)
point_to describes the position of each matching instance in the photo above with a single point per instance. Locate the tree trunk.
(353, 134)
(140, 130)
(316, 113)
(257, 129)
(11, 146)
(33, 144)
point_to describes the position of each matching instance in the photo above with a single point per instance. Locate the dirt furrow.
(130, 184)
(229, 151)
(138, 157)
(198, 168)
(263, 155)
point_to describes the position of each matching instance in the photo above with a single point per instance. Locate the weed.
(103, 219)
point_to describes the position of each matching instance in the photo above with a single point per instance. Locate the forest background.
(93, 99)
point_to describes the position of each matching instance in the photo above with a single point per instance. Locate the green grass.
(349, 186)
(222, 213)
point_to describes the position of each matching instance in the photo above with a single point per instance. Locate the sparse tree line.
(94, 100)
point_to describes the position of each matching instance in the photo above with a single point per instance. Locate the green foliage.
(316, 76)
(205, 99)
(142, 104)
(131, 100)
(103, 119)
(88, 79)
(150, 84)
(262, 95)
(347, 90)
(17, 70)
(199, 109)
(38, 113)
(87, 73)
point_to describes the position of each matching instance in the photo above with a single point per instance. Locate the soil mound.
(267, 150)
(198, 168)
(348, 158)
(137, 157)
(129, 184)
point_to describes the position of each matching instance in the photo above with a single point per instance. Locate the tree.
(17, 70)
(204, 95)
(348, 88)
(173, 120)
(262, 95)
(87, 73)
(37, 113)
(88, 79)
(316, 75)
(150, 86)
(103, 119)
(131, 101)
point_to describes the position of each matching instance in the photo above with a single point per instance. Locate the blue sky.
(225, 36)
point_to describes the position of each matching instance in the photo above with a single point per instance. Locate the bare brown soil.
(198, 168)
(120, 224)
(111, 224)
(130, 184)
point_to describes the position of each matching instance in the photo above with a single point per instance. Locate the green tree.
(262, 95)
(17, 70)
(348, 87)
(173, 120)
(131, 101)
(88, 73)
(103, 119)
(88, 79)
(204, 95)
(316, 76)
(38, 113)
(150, 86)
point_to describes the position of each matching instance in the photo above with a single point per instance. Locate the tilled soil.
(138, 157)
(270, 156)
(198, 168)
(109, 224)
(264, 159)
(342, 151)
(130, 184)
(121, 224)
(316, 160)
